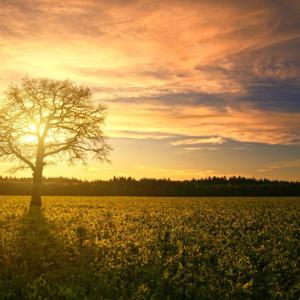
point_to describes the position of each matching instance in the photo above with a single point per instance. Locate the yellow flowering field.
(150, 248)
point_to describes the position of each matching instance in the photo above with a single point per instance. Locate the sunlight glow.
(32, 128)
(31, 136)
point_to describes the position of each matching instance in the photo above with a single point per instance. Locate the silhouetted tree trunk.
(36, 195)
(36, 189)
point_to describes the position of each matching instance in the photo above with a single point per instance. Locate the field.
(150, 248)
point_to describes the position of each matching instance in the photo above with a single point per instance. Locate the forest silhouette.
(122, 186)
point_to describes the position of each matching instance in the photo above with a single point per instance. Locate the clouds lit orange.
(193, 88)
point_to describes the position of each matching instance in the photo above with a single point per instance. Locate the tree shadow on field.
(37, 255)
(41, 265)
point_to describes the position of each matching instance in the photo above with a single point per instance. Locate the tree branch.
(20, 156)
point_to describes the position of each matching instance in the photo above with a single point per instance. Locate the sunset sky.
(193, 88)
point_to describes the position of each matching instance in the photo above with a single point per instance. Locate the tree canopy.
(44, 119)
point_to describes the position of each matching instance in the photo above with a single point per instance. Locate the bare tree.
(43, 118)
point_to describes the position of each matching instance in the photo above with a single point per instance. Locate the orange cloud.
(190, 72)
(151, 45)
(247, 124)
(203, 140)
(135, 44)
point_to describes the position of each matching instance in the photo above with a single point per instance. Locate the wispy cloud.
(203, 140)
(246, 123)
(287, 164)
(134, 134)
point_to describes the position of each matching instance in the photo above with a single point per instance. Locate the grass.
(150, 248)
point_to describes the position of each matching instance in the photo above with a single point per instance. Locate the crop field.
(150, 248)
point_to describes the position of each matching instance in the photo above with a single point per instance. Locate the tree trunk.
(36, 199)
(36, 193)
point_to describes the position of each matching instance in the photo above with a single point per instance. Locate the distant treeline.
(121, 186)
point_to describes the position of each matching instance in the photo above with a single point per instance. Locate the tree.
(44, 118)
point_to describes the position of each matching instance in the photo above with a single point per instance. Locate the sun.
(32, 128)
(30, 136)
(36, 129)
